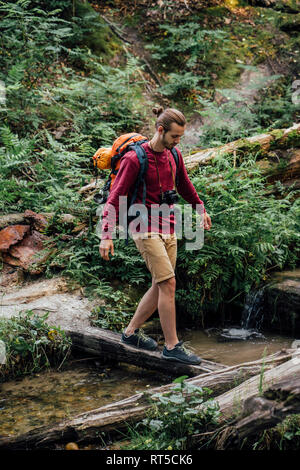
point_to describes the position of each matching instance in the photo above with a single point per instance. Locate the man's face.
(173, 136)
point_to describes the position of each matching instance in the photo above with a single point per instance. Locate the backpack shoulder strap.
(176, 158)
(143, 160)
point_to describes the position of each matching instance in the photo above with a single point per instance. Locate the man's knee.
(154, 285)
(169, 285)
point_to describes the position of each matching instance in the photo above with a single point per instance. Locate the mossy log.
(278, 402)
(114, 417)
(232, 402)
(259, 144)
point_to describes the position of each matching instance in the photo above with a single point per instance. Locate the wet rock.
(11, 235)
(30, 253)
(282, 302)
(65, 306)
(238, 334)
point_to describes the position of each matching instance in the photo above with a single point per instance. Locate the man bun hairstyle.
(167, 116)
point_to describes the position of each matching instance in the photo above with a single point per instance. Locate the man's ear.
(160, 129)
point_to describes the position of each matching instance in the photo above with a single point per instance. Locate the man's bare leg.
(145, 309)
(167, 311)
(161, 296)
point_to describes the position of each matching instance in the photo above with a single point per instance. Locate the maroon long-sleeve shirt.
(125, 181)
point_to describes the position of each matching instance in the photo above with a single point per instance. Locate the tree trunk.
(99, 342)
(114, 417)
(262, 412)
(232, 402)
(279, 138)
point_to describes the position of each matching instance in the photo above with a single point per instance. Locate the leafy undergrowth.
(31, 345)
(173, 418)
(64, 98)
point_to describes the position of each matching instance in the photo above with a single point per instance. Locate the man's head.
(170, 126)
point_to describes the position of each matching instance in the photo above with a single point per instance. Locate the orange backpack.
(110, 158)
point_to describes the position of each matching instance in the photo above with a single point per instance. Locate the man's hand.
(207, 221)
(104, 248)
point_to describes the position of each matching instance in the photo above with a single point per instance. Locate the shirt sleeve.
(186, 188)
(126, 177)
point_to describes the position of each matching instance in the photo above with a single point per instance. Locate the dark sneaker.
(181, 354)
(139, 340)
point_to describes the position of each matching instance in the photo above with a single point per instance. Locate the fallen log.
(279, 401)
(114, 417)
(262, 412)
(259, 143)
(232, 402)
(91, 340)
(100, 342)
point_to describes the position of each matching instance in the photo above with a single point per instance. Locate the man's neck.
(156, 145)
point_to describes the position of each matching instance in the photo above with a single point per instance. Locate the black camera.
(102, 196)
(168, 197)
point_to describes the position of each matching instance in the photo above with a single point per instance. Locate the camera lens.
(98, 198)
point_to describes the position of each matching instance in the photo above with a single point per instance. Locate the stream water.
(52, 396)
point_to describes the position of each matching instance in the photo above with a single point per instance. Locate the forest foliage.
(65, 97)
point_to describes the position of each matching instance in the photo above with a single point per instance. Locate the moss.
(96, 34)
(244, 146)
(277, 134)
(285, 142)
(293, 139)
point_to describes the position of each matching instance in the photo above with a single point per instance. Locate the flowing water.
(50, 397)
(208, 346)
(252, 316)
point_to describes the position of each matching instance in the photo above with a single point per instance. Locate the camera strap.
(160, 186)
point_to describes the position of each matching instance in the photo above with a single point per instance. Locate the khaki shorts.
(159, 252)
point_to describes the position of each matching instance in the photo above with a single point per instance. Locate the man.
(158, 247)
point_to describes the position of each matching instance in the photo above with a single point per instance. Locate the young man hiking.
(158, 247)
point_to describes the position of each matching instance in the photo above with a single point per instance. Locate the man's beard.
(166, 144)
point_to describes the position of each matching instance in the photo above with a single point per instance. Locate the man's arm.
(187, 190)
(185, 186)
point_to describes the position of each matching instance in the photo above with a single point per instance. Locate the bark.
(114, 417)
(260, 142)
(232, 402)
(100, 342)
(262, 412)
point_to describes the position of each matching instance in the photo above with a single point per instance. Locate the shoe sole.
(138, 347)
(175, 359)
